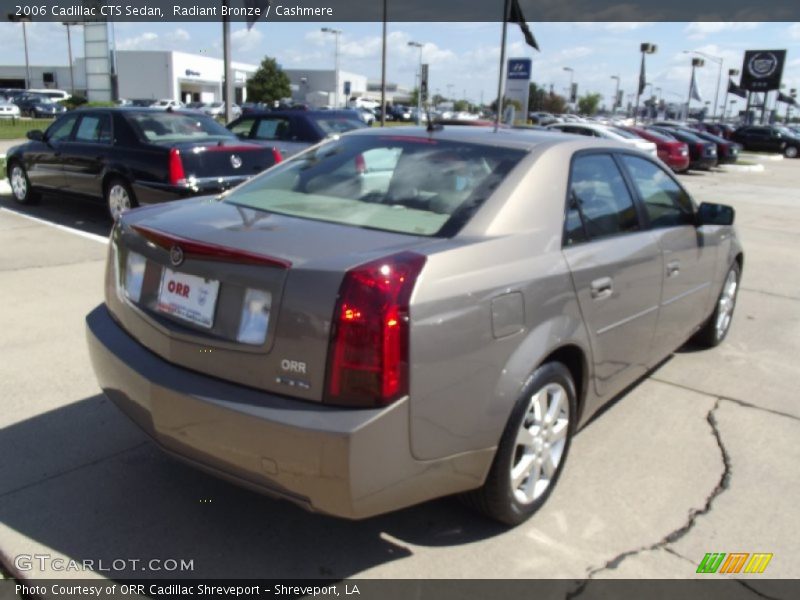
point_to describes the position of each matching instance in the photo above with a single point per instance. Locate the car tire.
(20, 184)
(716, 329)
(790, 151)
(119, 197)
(536, 440)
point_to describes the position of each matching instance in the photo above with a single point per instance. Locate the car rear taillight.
(276, 156)
(360, 164)
(368, 353)
(176, 174)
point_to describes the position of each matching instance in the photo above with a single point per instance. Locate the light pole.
(696, 62)
(336, 33)
(571, 82)
(793, 95)
(719, 61)
(419, 81)
(731, 73)
(616, 95)
(15, 19)
(69, 50)
(644, 48)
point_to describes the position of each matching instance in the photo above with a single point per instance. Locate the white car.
(608, 132)
(166, 103)
(55, 95)
(217, 109)
(8, 110)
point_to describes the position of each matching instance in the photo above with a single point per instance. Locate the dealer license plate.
(188, 297)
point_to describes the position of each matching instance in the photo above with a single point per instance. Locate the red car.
(673, 153)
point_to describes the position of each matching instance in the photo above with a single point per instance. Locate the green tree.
(589, 103)
(269, 83)
(461, 105)
(554, 103)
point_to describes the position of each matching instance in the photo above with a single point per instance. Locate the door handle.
(602, 288)
(673, 268)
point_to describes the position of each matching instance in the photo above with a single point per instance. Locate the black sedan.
(132, 156)
(769, 138)
(727, 151)
(38, 106)
(292, 131)
(702, 153)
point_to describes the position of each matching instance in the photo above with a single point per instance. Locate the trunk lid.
(226, 158)
(228, 253)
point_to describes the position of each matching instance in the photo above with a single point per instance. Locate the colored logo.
(734, 563)
(763, 64)
(176, 255)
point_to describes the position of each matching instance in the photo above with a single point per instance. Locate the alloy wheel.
(118, 200)
(727, 302)
(540, 443)
(19, 183)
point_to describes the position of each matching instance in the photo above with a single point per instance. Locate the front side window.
(273, 129)
(599, 202)
(243, 127)
(94, 128)
(412, 185)
(61, 129)
(666, 203)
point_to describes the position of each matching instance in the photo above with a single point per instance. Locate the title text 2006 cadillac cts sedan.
(394, 316)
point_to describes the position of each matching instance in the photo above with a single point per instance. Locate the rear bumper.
(677, 163)
(153, 193)
(344, 462)
(703, 163)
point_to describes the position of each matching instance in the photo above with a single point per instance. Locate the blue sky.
(463, 56)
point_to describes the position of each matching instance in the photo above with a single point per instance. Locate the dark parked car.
(702, 154)
(442, 320)
(672, 152)
(768, 138)
(727, 150)
(38, 106)
(292, 131)
(132, 156)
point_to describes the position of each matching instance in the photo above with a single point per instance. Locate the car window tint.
(60, 130)
(272, 129)
(666, 203)
(243, 127)
(94, 128)
(334, 125)
(162, 126)
(600, 197)
(392, 183)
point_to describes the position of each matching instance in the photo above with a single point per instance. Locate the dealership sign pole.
(761, 72)
(518, 84)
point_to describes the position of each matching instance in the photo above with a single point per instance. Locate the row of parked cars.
(41, 104)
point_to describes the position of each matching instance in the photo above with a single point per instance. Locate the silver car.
(398, 315)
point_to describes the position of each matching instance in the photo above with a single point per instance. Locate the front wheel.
(716, 328)
(533, 448)
(790, 152)
(119, 198)
(21, 185)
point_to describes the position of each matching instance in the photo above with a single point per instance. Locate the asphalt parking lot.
(699, 457)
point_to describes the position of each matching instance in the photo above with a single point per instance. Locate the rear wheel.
(790, 152)
(21, 185)
(533, 448)
(719, 323)
(119, 197)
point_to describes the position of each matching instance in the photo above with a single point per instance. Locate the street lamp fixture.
(419, 80)
(69, 24)
(731, 73)
(571, 72)
(336, 33)
(644, 48)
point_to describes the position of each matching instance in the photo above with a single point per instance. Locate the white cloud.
(179, 35)
(244, 40)
(612, 26)
(144, 41)
(794, 31)
(698, 30)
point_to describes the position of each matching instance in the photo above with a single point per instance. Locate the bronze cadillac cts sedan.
(397, 315)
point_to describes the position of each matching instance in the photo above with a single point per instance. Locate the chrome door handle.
(673, 268)
(602, 288)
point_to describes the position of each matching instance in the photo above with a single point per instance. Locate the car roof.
(524, 139)
(307, 113)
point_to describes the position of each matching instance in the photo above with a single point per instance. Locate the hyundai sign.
(518, 82)
(519, 68)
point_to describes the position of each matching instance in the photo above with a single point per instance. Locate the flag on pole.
(515, 16)
(736, 90)
(642, 77)
(694, 90)
(786, 99)
(263, 5)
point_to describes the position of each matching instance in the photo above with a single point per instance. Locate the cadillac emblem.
(236, 161)
(176, 256)
(762, 65)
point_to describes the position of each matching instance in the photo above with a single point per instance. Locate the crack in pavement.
(694, 514)
(742, 403)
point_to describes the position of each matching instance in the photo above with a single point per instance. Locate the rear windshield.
(176, 127)
(333, 125)
(661, 137)
(624, 133)
(401, 184)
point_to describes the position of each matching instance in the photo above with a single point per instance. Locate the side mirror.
(36, 135)
(715, 214)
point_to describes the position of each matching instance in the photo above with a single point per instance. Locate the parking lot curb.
(747, 156)
(743, 168)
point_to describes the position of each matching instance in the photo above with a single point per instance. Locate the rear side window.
(666, 203)
(411, 185)
(599, 202)
(273, 129)
(334, 125)
(243, 127)
(162, 126)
